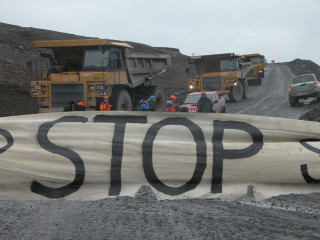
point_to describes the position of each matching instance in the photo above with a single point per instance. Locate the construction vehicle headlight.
(235, 84)
(38, 87)
(35, 94)
(227, 80)
(190, 86)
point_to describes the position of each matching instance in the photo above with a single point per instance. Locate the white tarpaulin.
(95, 155)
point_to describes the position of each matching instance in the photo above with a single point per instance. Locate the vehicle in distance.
(225, 73)
(191, 100)
(303, 87)
(258, 63)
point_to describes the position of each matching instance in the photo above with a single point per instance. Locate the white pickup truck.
(303, 87)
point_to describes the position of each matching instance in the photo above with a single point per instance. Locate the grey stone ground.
(144, 217)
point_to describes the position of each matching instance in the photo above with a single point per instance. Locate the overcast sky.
(282, 30)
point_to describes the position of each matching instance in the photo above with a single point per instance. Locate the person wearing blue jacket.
(144, 106)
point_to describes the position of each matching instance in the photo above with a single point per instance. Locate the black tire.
(259, 81)
(244, 83)
(293, 101)
(120, 100)
(236, 93)
(159, 96)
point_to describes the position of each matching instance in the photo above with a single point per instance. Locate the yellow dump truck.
(89, 69)
(224, 73)
(258, 63)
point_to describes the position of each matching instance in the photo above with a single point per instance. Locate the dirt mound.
(15, 95)
(299, 67)
(312, 115)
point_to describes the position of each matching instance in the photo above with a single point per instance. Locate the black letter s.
(304, 167)
(44, 142)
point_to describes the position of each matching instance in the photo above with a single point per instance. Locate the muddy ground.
(281, 217)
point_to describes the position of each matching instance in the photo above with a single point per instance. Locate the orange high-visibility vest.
(169, 107)
(105, 106)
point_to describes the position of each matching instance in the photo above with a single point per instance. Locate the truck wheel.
(121, 100)
(236, 93)
(158, 95)
(244, 83)
(259, 81)
(293, 101)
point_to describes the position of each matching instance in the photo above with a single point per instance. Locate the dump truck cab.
(89, 69)
(224, 73)
(258, 63)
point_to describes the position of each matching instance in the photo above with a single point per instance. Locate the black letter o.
(201, 149)
(9, 139)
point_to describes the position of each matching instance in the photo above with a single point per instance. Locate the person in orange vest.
(105, 105)
(79, 106)
(169, 104)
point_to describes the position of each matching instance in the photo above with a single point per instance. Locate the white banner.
(95, 155)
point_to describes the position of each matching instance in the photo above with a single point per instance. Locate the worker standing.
(169, 104)
(152, 103)
(80, 106)
(105, 105)
(204, 104)
(144, 106)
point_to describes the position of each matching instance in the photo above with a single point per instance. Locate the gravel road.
(271, 98)
(282, 217)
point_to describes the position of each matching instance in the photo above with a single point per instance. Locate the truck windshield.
(228, 65)
(103, 60)
(256, 60)
(93, 59)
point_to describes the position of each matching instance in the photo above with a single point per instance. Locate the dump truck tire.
(259, 81)
(236, 93)
(244, 83)
(121, 100)
(159, 96)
